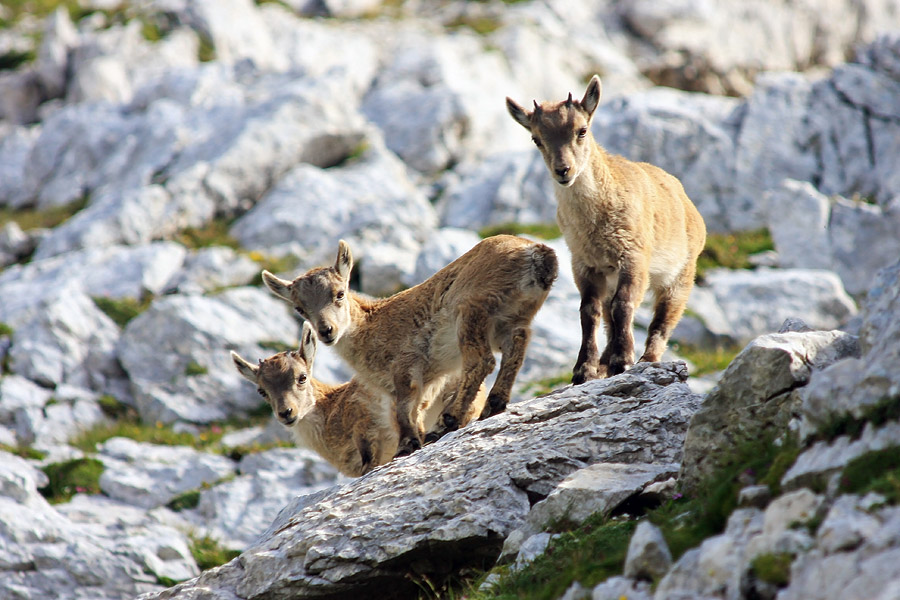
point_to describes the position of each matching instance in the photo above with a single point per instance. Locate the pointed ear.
(279, 287)
(592, 96)
(344, 262)
(519, 114)
(246, 369)
(308, 344)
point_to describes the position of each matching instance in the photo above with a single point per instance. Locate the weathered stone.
(534, 546)
(176, 352)
(149, 475)
(211, 269)
(846, 526)
(755, 496)
(648, 554)
(367, 532)
(756, 395)
(757, 302)
(239, 510)
(850, 387)
(616, 588)
(782, 518)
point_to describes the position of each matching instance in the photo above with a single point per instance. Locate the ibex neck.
(362, 308)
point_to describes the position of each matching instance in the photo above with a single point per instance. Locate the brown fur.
(408, 344)
(630, 227)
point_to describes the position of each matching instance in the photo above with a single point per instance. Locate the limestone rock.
(367, 532)
(757, 302)
(849, 387)
(176, 353)
(149, 475)
(648, 554)
(756, 394)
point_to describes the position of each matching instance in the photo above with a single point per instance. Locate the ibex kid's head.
(562, 131)
(320, 295)
(284, 379)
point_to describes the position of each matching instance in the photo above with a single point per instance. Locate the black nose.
(326, 330)
(562, 171)
(286, 414)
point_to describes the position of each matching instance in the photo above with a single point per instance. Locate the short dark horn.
(569, 101)
(537, 107)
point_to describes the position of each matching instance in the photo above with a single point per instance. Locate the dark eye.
(537, 142)
(262, 392)
(302, 379)
(582, 132)
(299, 311)
(340, 295)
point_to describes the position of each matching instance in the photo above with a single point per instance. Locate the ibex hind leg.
(589, 365)
(477, 363)
(667, 311)
(513, 349)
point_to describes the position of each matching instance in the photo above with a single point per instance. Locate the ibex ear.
(279, 287)
(519, 114)
(308, 344)
(246, 369)
(592, 96)
(344, 262)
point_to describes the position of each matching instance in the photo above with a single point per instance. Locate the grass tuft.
(886, 409)
(732, 250)
(215, 233)
(209, 553)
(877, 471)
(81, 475)
(184, 501)
(542, 387)
(707, 360)
(47, 218)
(544, 231)
(122, 310)
(5, 329)
(774, 568)
(192, 369)
(24, 451)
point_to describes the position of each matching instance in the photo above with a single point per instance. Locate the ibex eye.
(340, 295)
(537, 142)
(302, 379)
(261, 392)
(582, 132)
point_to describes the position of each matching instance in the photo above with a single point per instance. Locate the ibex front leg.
(592, 286)
(477, 363)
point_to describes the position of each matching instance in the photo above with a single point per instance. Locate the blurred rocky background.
(156, 155)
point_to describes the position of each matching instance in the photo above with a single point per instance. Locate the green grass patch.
(209, 553)
(544, 231)
(206, 50)
(114, 409)
(24, 451)
(122, 310)
(886, 409)
(5, 329)
(81, 475)
(774, 568)
(541, 387)
(276, 346)
(192, 369)
(184, 501)
(732, 250)
(877, 471)
(273, 264)
(45, 218)
(589, 555)
(707, 360)
(480, 24)
(157, 433)
(15, 10)
(13, 59)
(215, 233)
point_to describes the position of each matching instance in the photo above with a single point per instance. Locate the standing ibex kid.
(407, 344)
(629, 225)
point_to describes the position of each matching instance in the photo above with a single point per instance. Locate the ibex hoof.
(451, 423)
(432, 437)
(407, 447)
(497, 405)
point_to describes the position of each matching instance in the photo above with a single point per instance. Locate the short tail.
(544, 266)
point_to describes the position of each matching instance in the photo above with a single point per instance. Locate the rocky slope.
(275, 132)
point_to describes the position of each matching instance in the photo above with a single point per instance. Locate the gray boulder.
(757, 394)
(648, 554)
(240, 510)
(758, 302)
(369, 532)
(176, 353)
(149, 475)
(211, 269)
(851, 387)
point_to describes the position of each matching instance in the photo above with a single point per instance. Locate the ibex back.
(409, 343)
(629, 225)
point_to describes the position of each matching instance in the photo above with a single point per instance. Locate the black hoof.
(498, 405)
(432, 437)
(451, 423)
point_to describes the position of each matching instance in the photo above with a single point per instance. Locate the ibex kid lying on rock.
(348, 425)
(407, 344)
(629, 225)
